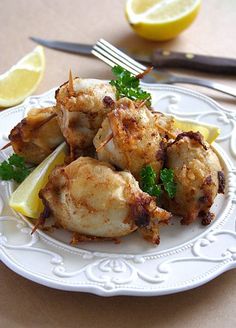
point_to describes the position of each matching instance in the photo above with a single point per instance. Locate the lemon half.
(22, 79)
(161, 20)
(25, 198)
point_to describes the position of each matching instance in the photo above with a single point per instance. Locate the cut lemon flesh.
(161, 20)
(209, 132)
(25, 198)
(22, 79)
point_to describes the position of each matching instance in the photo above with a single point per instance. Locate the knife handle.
(165, 58)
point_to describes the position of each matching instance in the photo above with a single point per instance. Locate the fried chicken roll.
(198, 175)
(37, 135)
(130, 138)
(82, 104)
(90, 198)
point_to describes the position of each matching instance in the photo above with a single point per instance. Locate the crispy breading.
(89, 197)
(37, 135)
(196, 173)
(82, 104)
(131, 137)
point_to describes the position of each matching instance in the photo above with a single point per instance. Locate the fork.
(113, 56)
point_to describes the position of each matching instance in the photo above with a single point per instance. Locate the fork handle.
(204, 83)
(222, 65)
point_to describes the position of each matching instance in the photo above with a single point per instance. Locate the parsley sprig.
(167, 178)
(149, 185)
(14, 169)
(127, 85)
(148, 181)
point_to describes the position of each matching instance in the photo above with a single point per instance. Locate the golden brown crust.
(37, 135)
(90, 198)
(80, 114)
(79, 238)
(194, 136)
(221, 179)
(196, 169)
(135, 141)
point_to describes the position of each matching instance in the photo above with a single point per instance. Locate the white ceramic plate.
(187, 257)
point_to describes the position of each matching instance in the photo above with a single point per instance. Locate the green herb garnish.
(167, 178)
(149, 185)
(148, 181)
(14, 169)
(127, 85)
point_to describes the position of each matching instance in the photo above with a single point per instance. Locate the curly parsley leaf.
(6, 171)
(149, 185)
(167, 178)
(148, 181)
(127, 85)
(14, 169)
(16, 160)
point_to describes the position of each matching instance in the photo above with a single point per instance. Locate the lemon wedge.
(209, 132)
(22, 79)
(161, 20)
(25, 198)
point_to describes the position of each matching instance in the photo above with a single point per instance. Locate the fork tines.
(113, 56)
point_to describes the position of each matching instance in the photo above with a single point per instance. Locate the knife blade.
(158, 58)
(76, 48)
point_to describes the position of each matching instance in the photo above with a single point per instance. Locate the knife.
(158, 58)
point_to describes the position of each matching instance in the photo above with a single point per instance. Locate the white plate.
(187, 257)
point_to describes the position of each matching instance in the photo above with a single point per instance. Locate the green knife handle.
(166, 58)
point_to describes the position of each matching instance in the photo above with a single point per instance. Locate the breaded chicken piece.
(90, 198)
(37, 135)
(198, 175)
(166, 125)
(130, 138)
(82, 104)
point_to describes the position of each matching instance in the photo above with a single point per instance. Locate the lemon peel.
(161, 20)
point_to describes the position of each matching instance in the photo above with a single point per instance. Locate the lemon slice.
(209, 132)
(25, 198)
(161, 20)
(22, 79)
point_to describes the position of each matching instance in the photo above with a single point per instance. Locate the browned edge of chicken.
(37, 135)
(90, 198)
(199, 177)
